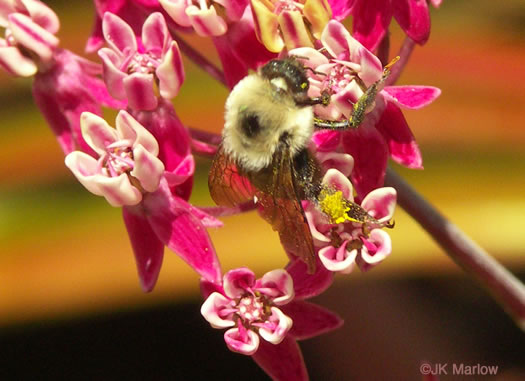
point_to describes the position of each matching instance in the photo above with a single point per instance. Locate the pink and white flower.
(345, 71)
(341, 246)
(133, 69)
(271, 308)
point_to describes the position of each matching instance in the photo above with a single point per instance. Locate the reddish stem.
(508, 291)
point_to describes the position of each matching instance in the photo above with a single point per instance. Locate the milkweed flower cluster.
(145, 164)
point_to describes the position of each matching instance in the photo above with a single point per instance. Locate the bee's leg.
(323, 100)
(332, 124)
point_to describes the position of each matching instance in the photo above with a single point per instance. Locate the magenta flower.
(133, 69)
(371, 18)
(129, 174)
(271, 308)
(347, 69)
(341, 245)
(202, 15)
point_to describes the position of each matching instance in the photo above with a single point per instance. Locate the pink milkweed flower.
(133, 69)
(371, 18)
(288, 23)
(128, 173)
(271, 308)
(64, 84)
(202, 15)
(341, 245)
(345, 71)
(30, 27)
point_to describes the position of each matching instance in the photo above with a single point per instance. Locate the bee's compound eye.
(250, 125)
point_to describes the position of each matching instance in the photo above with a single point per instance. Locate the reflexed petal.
(177, 11)
(113, 76)
(118, 34)
(171, 72)
(238, 281)
(184, 170)
(267, 27)
(147, 248)
(371, 21)
(208, 288)
(383, 247)
(211, 311)
(97, 132)
(175, 225)
(343, 162)
(155, 34)
(206, 22)
(234, 8)
(341, 9)
(283, 361)
(42, 15)
(15, 63)
(414, 18)
(326, 141)
(380, 203)
(294, 30)
(131, 130)
(284, 323)
(318, 13)
(308, 285)
(278, 285)
(148, 169)
(412, 97)
(244, 344)
(370, 152)
(310, 320)
(401, 142)
(32, 36)
(139, 90)
(207, 220)
(338, 259)
(335, 179)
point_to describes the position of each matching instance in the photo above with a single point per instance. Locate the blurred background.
(70, 303)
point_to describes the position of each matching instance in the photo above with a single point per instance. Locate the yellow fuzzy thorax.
(335, 206)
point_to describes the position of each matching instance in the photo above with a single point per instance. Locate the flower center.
(145, 63)
(287, 5)
(253, 309)
(118, 159)
(338, 78)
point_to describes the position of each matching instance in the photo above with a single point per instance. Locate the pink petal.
(412, 97)
(326, 140)
(118, 34)
(338, 259)
(310, 320)
(283, 361)
(383, 247)
(279, 331)
(414, 18)
(182, 232)
(98, 89)
(170, 72)
(206, 22)
(139, 90)
(184, 170)
(148, 250)
(148, 169)
(244, 344)
(343, 162)
(293, 29)
(234, 8)
(84, 167)
(278, 285)
(15, 63)
(401, 143)
(371, 21)
(341, 9)
(335, 39)
(32, 36)
(370, 152)
(113, 76)
(309, 285)
(335, 179)
(43, 15)
(314, 58)
(238, 282)
(208, 288)
(96, 132)
(211, 311)
(176, 9)
(207, 220)
(131, 130)
(344, 99)
(380, 203)
(155, 34)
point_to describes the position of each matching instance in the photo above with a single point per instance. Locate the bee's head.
(288, 75)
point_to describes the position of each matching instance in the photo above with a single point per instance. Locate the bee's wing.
(228, 187)
(282, 208)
